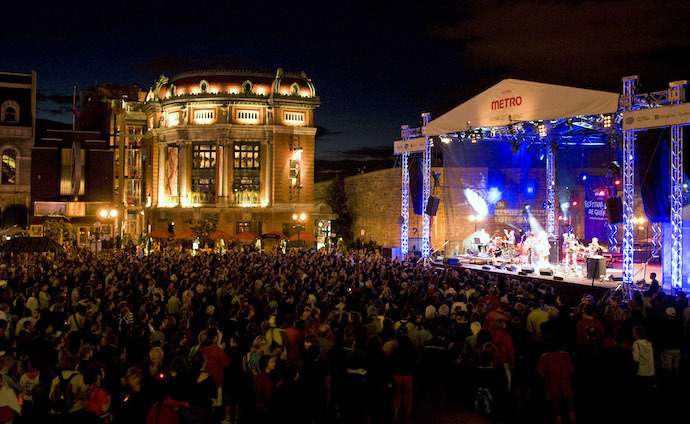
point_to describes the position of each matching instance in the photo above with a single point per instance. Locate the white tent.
(513, 100)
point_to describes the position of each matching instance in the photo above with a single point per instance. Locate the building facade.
(17, 129)
(72, 178)
(116, 112)
(236, 143)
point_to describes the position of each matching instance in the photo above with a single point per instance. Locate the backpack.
(63, 396)
(483, 401)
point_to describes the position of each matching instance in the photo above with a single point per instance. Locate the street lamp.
(108, 213)
(475, 219)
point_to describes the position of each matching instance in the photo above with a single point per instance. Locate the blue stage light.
(494, 196)
(530, 190)
(478, 204)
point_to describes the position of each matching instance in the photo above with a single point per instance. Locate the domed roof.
(214, 81)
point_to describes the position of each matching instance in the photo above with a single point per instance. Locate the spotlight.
(617, 182)
(602, 193)
(113, 213)
(607, 121)
(445, 140)
(472, 218)
(541, 156)
(560, 217)
(568, 123)
(520, 128)
(542, 129)
(584, 177)
(103, 213)
(473, 138)
(574, 202)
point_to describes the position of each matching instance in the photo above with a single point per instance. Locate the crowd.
(249, 337)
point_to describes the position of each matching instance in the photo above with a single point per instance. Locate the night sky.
(376, 65)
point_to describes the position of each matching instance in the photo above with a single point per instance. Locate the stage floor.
(612, 271)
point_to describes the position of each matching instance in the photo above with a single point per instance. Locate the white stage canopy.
(511, 101)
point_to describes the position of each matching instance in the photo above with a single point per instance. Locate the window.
(294, 118)
(248, 116)
(246, 173)
(174, 119)
(10, 112)
(203, 86)
(243, 226)
(67, 170)
(204, 116)
(294, 89)
(247, 87)
(203, 173)
(9, 167)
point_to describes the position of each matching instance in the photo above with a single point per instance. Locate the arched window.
(294, 89)
(203, 86)
(9, 167)
(10, 111)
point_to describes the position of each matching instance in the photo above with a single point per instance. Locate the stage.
(559, 277)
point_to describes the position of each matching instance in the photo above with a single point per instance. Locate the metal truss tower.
(550, 192)
(426, 230)
(629, 87)
(405, 200)
(677, 96)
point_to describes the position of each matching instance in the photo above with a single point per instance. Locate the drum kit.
(500, 249)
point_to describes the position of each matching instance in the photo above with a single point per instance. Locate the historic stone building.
(17, 128)
(237, 143)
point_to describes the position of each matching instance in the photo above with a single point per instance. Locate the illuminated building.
(115, 111)
(234, 142)
(17, 127)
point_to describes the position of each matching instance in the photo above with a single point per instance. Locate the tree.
(336, 198)
(58, 229)
(204, 226)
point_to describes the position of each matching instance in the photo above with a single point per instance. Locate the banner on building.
(171, 176)
(596, 221)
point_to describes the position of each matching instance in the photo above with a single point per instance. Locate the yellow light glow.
(480, 218)
(103, 213)
(264, 204)
(303, 217)
(294, 216)
(641, 220)
(297, 154)
(148, 202)
(113, 213)
(294, 181)
(640, 228)
(471, 218)
(142, 212)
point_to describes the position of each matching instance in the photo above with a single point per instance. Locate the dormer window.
(203, 86)
(247, 87)
(294, 89)
(10, 112)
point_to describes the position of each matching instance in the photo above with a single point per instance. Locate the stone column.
(228, 168)
(162, 170)
(267, 173)
(220, 172)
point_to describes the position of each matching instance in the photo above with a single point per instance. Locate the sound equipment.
(614, 210)
(546, 272)
(453, 262)
(527, 269)
(432, 205)
(522, 273)
(486, 268)
(511, 268)
(618, 278)
(557, 278)
(555, 250)
(596, 267)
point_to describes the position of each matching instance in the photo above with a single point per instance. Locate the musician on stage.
(510, 237)
(571, 247)
(594, 248)
(543, 248)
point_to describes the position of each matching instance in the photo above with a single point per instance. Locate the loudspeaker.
(432, 205)
(522, 273)
(614, 210)
(554, 251)
(557, 278)
(486, 268)
(527, 269)
(453, 262)
(618, 277)
(547, 272)
(511, 268)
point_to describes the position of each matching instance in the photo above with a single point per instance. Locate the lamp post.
(108, 213)
(97, 236)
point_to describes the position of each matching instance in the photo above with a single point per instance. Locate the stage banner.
(596, 222)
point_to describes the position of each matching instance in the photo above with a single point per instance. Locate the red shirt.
(96, 397)
(216, 360)
(555, 369)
